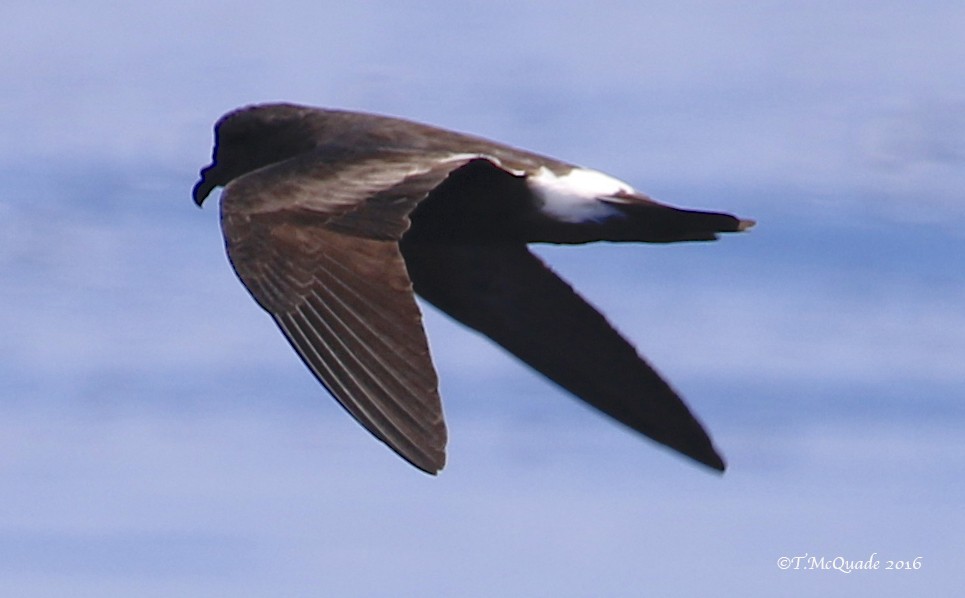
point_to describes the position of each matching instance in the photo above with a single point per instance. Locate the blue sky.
(158, 437)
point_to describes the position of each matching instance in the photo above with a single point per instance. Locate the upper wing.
(317, 248)
(508, 294)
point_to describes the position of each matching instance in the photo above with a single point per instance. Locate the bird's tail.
(638, 218)
(653, 222)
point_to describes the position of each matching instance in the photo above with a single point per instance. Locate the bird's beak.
(201, 191)
(202, 188)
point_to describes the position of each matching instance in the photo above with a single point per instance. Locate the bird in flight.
(335, 220)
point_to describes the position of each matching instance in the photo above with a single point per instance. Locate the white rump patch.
(576, 195)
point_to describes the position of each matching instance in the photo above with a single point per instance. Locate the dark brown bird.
(332, 219)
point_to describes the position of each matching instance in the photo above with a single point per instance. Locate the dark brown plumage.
(332, 219)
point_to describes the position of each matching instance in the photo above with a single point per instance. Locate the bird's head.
(253, 137)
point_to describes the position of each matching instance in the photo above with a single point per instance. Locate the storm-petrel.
(332, 219)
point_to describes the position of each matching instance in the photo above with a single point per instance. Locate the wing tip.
(428, 464)
(708, 457)
(698, 447)
(717, 464)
